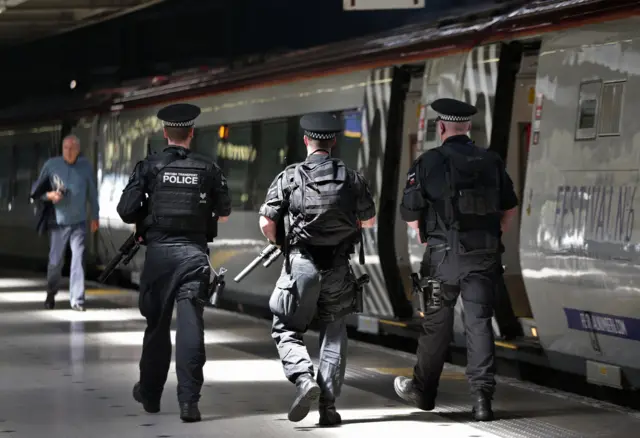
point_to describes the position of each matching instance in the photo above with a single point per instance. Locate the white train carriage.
(556, 101)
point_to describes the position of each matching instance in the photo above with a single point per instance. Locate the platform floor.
(67, 374)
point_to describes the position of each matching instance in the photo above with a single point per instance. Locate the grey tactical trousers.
(309, 292)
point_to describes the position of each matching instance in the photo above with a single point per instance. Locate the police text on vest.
(180, 178)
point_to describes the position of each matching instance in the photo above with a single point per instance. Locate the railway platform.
(66, 374)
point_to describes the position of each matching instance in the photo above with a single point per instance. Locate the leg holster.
(432, 294)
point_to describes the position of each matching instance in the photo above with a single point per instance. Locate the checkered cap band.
(320, 135)
(179, 124)
(446, 118)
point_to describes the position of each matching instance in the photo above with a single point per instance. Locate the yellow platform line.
(394, 323)
(219, 257)
(507, 345)
(103, 292)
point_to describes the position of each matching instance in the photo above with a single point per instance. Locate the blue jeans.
(60, 236)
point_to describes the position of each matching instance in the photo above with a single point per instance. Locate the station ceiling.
(27, 20)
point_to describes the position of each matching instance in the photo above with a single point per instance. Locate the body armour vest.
(322, 204)
(180, 201)
(469, 213)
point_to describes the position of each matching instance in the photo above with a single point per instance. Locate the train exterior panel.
(579, 241)
(259, 130)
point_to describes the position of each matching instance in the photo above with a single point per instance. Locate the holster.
(430, 293)
(359, 301)
(207, 290)
(216, 288)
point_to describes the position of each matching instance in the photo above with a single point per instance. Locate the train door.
(411, 118)
(516, 161)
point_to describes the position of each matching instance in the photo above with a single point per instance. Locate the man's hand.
(415, 225)
(95, 224)
(54, 196)
(222, 219)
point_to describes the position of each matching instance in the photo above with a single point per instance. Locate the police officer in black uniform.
(325, 204)
(458, 197)
(176, 197)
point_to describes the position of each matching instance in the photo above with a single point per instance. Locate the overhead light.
(73, 84)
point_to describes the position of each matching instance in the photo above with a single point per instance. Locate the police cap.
(180, 115)
(321, 126)
(452, 110)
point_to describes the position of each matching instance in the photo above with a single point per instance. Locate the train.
(555, 84)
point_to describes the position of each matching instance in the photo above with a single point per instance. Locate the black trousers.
(477, 287)
(173, 274)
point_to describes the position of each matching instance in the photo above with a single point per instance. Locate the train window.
(350, 142)
(271, 154)
(234, 155)
(588, 110)
(157, 143)
(5, 177)
(25, 172)
(611, 109)
(205, 141)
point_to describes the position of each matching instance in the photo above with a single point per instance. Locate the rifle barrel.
(266, 252)
(113, 264)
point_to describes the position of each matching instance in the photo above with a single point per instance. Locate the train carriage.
(555, 84)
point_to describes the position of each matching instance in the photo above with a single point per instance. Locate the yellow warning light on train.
(532, 95)
(534, 332)
(223, 132)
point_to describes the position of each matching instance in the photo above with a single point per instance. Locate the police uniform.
(458, 192)
(316, 278)
(174, 198)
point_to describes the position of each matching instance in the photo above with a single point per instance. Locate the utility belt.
(339, 251)
(432, 294)
(320, 254)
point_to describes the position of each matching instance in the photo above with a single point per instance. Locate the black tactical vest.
(469, 211)
(322, 204)
(180, 200)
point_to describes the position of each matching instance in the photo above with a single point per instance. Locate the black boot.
(152, 407)
(482, 407)
(307, 392)
(407, 391)
(189, 412)
(50, 301)
(328, 414)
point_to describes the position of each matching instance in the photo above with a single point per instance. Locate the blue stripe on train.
(612, 325)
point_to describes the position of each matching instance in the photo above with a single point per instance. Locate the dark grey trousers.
(171, 273)
(477, 288)
(328, 294)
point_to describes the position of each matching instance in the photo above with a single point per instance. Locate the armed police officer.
(458, 197)
(175, 198)
(324, 205)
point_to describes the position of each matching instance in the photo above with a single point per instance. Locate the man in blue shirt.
(73, 180)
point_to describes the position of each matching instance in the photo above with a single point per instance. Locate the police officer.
(458, 197)
(325, 204)
(176, 197)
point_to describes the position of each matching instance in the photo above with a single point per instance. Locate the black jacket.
(45, 214)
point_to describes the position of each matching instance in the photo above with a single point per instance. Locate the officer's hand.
(54, 196)
(222, 219)
(95, 224)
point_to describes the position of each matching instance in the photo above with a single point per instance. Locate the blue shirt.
(79, 182)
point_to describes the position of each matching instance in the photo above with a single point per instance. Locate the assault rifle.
(125, 254)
